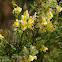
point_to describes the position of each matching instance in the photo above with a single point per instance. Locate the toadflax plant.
(31, 34)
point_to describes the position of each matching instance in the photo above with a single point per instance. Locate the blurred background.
(5, 14)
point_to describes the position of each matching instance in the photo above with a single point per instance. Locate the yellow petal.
(0, 35)
(16, 23)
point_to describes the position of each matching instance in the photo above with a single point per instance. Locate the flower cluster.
(29, 55)
(25, 22)
(44, 22)
(17, 10)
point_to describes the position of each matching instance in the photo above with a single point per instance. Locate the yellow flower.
(26, 14)
(19, 9)
(49, 23)
(31, 20)
(23, 18)
(44, 22)
(32, 47)
(35, 57)
(49, 15)
(31, 58)
(15, 9)
(44, 48)
(23, 26)
(59, 9)
(51, 28)
(29, 24)
(1, 36)
(16, 23)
